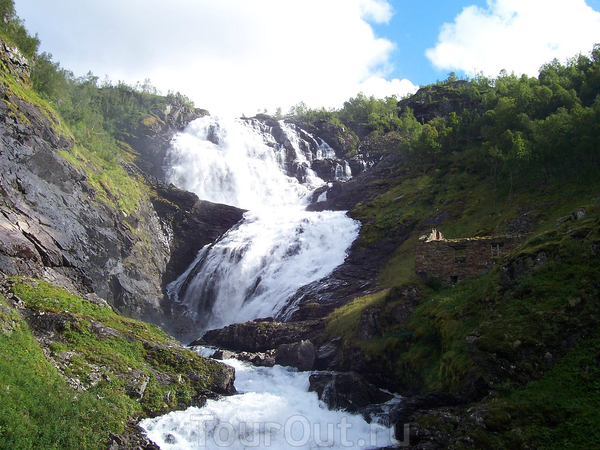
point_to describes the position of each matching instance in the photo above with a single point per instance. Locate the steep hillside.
(518, 344)
(74, 374)
(86, 240)
(84, 216)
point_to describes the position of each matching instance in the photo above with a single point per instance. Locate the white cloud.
(380, 87)
(234, 56)
(380, 11)
(516, 35)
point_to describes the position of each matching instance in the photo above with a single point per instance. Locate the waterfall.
(279, 247)
(251, 272)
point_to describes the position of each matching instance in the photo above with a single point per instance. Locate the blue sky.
(414, 27)
(237, 57)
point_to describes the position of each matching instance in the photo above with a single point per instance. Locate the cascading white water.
(275, 411)
(278, 248)
(251, 272)
(254, 269)
(239, 163)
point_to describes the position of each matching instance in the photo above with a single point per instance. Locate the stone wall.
(455, 259)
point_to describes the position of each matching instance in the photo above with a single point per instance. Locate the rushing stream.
(274, 410)
(252, 272)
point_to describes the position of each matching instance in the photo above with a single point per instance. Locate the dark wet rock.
(356, 276)
(328, 354)
(132, 438)
(367, 325)
(152, 139)
(409, 406)
(261, 335)
(194, 223)
(54, 227)
(261, 359)
(300, 355)
(222, 354)
(340, 138)
(223, 381)
(325, 169)
(197, 342)
(347, 391)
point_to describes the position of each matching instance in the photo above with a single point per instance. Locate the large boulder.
(261, 335)
(346, 390)
(299, 354)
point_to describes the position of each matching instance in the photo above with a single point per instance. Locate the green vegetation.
(30, 418)
(519, 132)
(487, 157)
(533, 336)
(108, 356)
(474, 158)
(12, 30)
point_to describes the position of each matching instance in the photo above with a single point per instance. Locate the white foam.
(274, 411)
(278, 248)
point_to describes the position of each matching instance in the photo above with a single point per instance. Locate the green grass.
(428, 352)
(344, 321)
(562, 410)
(559, 411)
(112, 184)
(42, 296)
(39, 410)
(552, 309)
(99, 348)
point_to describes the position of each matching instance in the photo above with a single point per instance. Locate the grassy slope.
(39, 407)
(537, 312)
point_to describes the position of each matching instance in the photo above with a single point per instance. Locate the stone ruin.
(452, 260)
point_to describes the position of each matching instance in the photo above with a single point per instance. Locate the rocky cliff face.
(55, 225)
(152, 138)
(440, 100)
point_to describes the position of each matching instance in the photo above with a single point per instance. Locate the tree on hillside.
(12, 29)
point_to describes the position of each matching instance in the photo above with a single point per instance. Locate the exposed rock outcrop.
(440, 100)
(15, 63)
(153, 137)
(75, 339)
(299, 354)
(261, 335)
(339, 137)
(348, 391)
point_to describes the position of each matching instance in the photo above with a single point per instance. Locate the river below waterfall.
(252, 272)
(272, 410)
